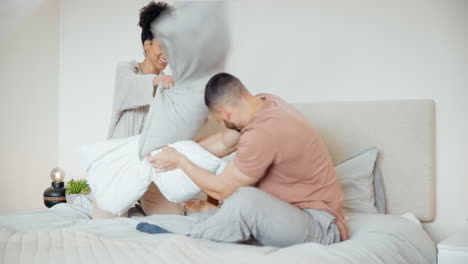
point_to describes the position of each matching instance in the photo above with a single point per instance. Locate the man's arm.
(217, 186)
(222, 143)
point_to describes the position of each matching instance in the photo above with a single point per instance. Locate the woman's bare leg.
(154, 202)
(199, 206)
(98, 213)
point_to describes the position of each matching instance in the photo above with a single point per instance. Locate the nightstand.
(454, 249)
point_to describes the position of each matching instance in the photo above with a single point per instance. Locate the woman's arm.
(132, 90)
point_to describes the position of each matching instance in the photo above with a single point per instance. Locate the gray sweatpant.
(249, 213)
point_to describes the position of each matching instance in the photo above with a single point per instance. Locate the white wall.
(300, 50)
(28, 101)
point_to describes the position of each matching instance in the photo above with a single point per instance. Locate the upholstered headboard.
(404, 132)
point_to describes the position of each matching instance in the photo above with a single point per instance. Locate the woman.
(136, 83)
(135, 87)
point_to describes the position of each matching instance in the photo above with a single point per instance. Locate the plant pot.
(71, 198)
(80, 200)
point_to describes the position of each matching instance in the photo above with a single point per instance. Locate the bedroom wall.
(28, 101)
(303, 51)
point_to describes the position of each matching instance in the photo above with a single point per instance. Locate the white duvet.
(65, 234)
(118, 178)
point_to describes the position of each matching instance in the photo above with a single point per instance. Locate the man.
(280, 188)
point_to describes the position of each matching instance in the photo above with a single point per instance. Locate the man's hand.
(167, 159)
(166, 81)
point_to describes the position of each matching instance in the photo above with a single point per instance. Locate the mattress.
(66, 234)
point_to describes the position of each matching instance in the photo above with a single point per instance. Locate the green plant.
(77, 187)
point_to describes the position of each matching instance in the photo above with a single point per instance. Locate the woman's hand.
(167, 159)
(165, 80)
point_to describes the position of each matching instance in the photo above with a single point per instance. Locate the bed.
(403, 131)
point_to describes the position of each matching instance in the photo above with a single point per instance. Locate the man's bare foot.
(200, 206)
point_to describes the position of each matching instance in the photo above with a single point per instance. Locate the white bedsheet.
(374, 239)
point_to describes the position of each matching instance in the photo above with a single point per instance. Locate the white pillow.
(118, 178)
(356, 178)
(177, 186)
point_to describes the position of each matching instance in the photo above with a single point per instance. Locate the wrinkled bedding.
(66, 230)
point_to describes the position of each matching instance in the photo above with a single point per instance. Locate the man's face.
(223, 117)
(231, 126)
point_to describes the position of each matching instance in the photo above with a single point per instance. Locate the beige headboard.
(404, 132)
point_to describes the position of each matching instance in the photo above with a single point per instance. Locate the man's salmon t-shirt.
(287, 156)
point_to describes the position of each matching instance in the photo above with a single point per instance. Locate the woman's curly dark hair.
(148, 14)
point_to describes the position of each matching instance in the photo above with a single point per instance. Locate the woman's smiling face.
(155, 54)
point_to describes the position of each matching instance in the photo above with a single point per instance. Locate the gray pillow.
(356, 178)
(362, 183)
(195, 38)
(379, 191)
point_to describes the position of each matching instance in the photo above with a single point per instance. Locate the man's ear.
(225, 114)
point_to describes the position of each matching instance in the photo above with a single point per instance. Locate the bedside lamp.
(56, 193)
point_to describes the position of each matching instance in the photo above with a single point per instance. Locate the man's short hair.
(222, 88)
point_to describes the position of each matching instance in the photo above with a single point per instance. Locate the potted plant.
(75, 189)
